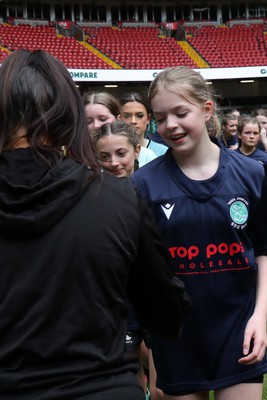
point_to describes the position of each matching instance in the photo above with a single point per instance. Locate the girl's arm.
(155, 393)
(255, 337)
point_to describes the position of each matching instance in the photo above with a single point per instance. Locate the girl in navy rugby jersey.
(209, 204)
(248, 131)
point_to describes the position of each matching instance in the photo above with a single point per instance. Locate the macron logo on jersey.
(168, 209)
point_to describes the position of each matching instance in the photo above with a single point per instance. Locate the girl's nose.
(133, 119)
(114, 161)
(97, 124)
(171, 122)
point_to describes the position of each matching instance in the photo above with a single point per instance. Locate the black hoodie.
(72, 253)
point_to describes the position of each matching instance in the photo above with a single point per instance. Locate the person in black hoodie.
(75, 245)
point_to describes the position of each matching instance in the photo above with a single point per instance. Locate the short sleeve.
(258, 229)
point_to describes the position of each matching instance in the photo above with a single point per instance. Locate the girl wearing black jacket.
(75, 245)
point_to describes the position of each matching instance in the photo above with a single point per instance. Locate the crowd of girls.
(207, 194)
(179, 239)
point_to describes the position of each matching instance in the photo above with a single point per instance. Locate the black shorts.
(257, 379)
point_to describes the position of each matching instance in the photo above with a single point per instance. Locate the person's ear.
(137, 151)
(209, 109)
(119, 118)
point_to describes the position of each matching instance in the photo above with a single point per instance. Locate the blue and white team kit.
(213, 228)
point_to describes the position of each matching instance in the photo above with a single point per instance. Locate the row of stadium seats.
(232, 47)
(68, 50)
(141, 48)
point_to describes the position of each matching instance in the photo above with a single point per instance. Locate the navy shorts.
(257, 379)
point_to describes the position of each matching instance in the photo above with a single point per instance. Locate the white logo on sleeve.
(129, 339)
(168, 209)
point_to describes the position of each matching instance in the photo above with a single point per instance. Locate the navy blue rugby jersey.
(212, 229)
(257, 155)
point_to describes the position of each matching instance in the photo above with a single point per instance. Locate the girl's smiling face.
(117, 155)
(181, 124)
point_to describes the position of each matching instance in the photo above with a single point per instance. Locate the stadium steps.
(190, 51)
(5, 49)
(106, 59)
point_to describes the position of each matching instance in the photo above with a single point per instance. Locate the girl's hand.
(255, 341)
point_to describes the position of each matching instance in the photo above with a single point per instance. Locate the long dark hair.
(39, 98)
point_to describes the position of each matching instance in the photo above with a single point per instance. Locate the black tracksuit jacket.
(73, 251)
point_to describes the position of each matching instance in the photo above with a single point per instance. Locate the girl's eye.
(104, 157)
(182, 115)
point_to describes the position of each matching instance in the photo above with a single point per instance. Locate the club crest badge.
(239, 213)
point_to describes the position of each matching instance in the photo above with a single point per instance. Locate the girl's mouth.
(177, 137)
